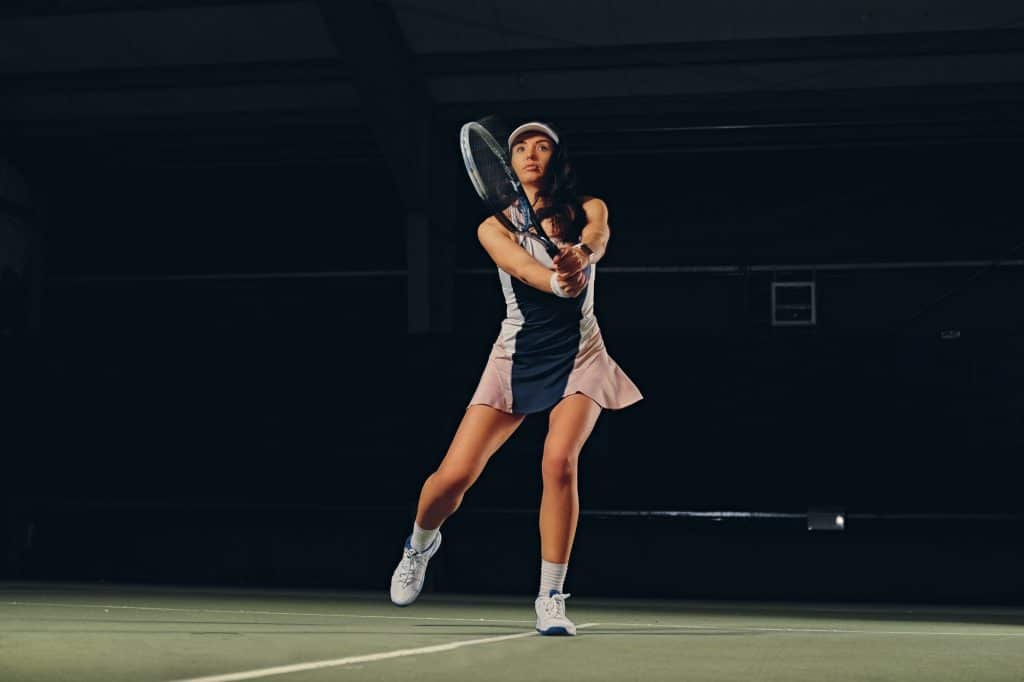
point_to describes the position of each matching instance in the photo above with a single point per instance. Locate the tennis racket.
(494, 180)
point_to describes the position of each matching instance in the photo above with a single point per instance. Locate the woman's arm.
(595, 235)
(596, 232)
(511, 258)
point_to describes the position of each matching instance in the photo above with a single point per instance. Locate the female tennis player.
(549, 355)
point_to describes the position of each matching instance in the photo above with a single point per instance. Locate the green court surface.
(89, 633)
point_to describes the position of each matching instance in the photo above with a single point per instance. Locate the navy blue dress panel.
(545, 348)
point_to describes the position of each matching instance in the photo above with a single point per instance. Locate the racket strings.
(498, 188)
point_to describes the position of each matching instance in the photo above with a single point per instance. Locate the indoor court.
(145, 634)
(695, 329)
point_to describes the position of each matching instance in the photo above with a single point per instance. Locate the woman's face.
(531, 155)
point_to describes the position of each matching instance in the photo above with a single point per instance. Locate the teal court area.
(114, 633)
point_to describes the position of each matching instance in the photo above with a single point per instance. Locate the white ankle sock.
(552, 577)
(421, 537)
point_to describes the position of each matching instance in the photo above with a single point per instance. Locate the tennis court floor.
(112, 633)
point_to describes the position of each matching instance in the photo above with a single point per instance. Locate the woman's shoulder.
(493, 226)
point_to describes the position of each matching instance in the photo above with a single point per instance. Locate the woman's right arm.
(512, 258)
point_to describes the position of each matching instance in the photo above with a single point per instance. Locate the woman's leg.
(482, 431)
(569, 426)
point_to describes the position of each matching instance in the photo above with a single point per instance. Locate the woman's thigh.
(481, 432)
(570, 424)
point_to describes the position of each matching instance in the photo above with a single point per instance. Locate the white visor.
(532, 127)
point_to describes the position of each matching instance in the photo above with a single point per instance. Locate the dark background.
(253, 307)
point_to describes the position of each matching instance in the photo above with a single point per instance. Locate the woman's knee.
(559, 465)
(454, 481)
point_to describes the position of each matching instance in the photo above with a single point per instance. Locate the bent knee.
(454, 480)
(559, 466)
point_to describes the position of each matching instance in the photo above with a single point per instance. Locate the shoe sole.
(556, 632)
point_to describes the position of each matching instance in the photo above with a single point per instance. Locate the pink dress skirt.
(594, 374)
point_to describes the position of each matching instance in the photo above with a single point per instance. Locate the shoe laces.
(411, 563)
(554, 606)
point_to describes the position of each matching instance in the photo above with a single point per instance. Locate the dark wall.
(136, 219)
(255, 393)
(304, 365)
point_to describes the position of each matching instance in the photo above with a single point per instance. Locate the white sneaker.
(407, 580)
(551, 619)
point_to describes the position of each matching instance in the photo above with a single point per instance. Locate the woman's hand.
(572, 270)
(570, 273)
(570, 260)
(572, 285)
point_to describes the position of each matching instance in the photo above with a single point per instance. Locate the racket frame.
(532, 228)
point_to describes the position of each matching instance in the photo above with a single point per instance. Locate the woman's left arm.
(592, 245)
(596, 233)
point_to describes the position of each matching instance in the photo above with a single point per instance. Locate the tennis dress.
(549, 348)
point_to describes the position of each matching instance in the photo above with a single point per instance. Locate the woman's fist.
(570, 260)
(572, 285)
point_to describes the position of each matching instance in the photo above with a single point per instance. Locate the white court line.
(767, 608)
(247, 612)
(840, 631)
(680, 626)
(368, 658)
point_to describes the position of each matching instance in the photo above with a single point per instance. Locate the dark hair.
(559, 192)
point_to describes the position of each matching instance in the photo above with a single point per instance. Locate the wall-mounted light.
(826, 518)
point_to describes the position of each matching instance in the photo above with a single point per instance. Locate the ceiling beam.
(993, 102)
(419, 68)
(759, 51)
(22, 9)
(395, 100)
(399, 109)
(184, 76)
